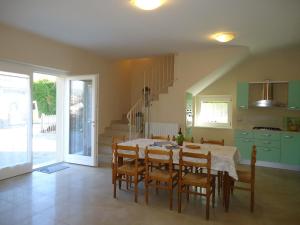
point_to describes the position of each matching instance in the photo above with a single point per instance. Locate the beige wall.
(190, 68)
(25, 47)
(141, 67)
(281, 64)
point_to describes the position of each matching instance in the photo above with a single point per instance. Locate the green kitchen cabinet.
(290, 148)
(244, 145)
(242, 95)
(294, 95)
(244, 142)
(268, 154)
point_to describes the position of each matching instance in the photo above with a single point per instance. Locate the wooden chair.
(188, 178)
(212, 142)
(248, 177)
(167, 138)
(115, 140)
(133, 170)
(220, 173)
(155, 178)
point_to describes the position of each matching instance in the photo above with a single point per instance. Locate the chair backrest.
(159, 156)
(253, 162)
(167, 138)
(125, 152)
(213, 142)
(189, 159)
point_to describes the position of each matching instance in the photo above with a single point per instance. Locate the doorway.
(44, 126)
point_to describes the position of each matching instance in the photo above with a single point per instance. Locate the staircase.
(117, 128)
(158, 78)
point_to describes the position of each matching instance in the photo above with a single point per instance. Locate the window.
(213, 111)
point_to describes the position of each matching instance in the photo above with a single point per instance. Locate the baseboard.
(273, 165)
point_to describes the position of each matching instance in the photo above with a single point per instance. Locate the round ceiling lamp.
(147, 4)
(223, 36)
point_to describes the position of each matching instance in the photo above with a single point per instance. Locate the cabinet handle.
(267, 149)
(244, 133)
(247, 140)
(292, 107)
(267, 135)
(288, 136)
(242, 106)
(267, 142)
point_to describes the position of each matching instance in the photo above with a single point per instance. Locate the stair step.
(104, 159)
(105, 149)
(112, 132)
(105, 140)
(120, 126)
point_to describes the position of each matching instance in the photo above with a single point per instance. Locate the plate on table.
(193, 146)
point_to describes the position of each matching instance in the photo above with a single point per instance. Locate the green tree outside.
(44, 93)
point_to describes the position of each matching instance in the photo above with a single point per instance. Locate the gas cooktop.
(267, 128)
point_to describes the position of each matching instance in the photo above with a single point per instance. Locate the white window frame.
(218, 98)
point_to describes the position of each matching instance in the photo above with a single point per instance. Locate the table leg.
(226, 191)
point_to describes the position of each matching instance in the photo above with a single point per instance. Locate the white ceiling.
(115, 29)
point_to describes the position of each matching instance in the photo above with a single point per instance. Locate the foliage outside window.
(44, 92)
(213, 111)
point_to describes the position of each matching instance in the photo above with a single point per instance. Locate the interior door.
(81, 120)
(15, 124)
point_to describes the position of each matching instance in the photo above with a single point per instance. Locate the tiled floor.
(83, 196)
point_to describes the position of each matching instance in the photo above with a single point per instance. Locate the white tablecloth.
(224, 158)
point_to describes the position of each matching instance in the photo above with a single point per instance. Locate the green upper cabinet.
(290, 148)
(242, 95)
(294, 95)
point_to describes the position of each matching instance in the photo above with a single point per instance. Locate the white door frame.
(78, 159)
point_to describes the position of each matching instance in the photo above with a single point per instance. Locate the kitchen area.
(268, 117)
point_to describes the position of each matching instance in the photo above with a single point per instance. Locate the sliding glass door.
(15, 124)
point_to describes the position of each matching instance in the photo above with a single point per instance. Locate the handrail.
(158, 78)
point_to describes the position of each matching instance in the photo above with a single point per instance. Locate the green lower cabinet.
(290, 148)
(244, 145)
(268, 154)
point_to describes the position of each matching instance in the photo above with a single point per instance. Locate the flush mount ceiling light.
(147, 4)
(223, 36)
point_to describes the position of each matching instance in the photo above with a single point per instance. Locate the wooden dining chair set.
(128, 168)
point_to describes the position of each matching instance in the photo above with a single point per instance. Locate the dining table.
(223, 158)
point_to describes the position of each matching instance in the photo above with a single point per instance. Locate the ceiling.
(115, 29)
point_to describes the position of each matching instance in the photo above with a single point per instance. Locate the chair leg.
(115, 184)
(213, 193)
(171, 195)
(187, 193)
(219, 182)
(252, 198)
(127, 182)
(207, 203)
(146, 190)
(179, 199)
(156, 189)
(136, 188)
(120, 182)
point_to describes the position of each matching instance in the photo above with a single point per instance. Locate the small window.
(213, 111)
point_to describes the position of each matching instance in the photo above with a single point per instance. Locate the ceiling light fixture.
(147, 4)
(223, 37)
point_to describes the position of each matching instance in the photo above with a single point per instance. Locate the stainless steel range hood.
(267, 95)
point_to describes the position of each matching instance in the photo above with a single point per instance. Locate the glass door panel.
(15, 126)
(81, 120)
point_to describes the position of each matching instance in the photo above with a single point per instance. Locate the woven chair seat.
(244, 176)
(158, 174)
(195, 179)
(129, 168)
